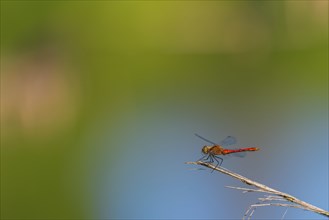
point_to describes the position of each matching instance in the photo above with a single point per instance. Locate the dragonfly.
(212, 152)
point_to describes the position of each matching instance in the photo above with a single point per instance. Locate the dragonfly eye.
(205, 149)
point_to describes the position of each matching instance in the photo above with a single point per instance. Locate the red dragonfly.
(211, 153)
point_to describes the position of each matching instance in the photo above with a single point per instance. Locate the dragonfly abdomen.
(228, 151)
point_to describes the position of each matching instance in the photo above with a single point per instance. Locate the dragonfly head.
(206, 149)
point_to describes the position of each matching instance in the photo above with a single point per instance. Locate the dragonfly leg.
(218, 163)
(213, 158)
(209, 158)
(202, 158)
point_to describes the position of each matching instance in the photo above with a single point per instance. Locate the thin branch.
(245, 190)
(278, 204)
(284, 214)
(272, 198)
(264, 188)
(253, 207)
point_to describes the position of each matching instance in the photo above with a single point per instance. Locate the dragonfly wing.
(239, 154)
(199, 136)
(229, 140)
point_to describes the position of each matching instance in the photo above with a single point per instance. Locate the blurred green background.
(100, 101)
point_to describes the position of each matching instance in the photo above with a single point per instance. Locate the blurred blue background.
(100, 102)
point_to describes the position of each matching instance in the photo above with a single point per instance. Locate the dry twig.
(276, 195)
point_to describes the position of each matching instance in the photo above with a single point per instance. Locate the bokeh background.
(100, 101)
